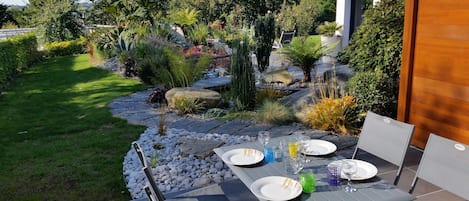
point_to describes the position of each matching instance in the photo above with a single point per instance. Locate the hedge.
(18, 53)
(66, 48)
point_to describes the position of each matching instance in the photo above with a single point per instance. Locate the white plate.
(318, 147)
(242, 156)
(365, 170)
(276, 188)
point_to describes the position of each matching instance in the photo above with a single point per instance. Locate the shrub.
(159, 64)
(66, 48)
(300, 17)
(185, 105)
(374, 91)
(332, 114)
(215, 113)
(198, 34)
(377, 46)
(243, 86)
(275, 113)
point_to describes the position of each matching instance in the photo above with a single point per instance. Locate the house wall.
(434, 83)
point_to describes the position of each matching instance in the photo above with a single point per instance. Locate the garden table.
(374, 189)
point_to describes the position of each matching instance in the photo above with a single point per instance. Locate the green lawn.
(58, 140)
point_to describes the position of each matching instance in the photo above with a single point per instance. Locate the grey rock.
(298, 99)
(197, 147)
(203, 181)
(216, 83)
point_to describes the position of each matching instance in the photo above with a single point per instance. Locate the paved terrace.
(134, 109)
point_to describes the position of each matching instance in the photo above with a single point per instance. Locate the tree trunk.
(307, 75)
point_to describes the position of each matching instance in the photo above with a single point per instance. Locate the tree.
(5, 16)
(304, 52)
(56, 20)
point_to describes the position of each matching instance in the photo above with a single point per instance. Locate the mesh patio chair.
(285, 38)
(212, 192)
(445, 163)
(385, 138)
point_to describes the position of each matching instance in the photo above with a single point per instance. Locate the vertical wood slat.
(434, 88)
(408, 46)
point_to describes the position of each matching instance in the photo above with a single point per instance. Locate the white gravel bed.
(174, 172)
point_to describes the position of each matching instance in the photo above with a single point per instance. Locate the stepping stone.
(253, 130)
(182, 124)
(198, 148)
(232, 127)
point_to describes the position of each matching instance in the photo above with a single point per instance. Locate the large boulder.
(278, 76)
(209, 98)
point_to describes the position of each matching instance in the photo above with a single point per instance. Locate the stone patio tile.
(278, 131)
(253, 130)
(407, 176)
(182, 124)
(232, 127)
(439, 196)
(205, 126)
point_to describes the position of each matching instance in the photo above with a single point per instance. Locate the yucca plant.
(186, 105)
(303, 52)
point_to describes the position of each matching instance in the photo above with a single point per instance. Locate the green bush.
(215, 113)
(160, 64)
(275, 113)
(374, 91)
(300, 17)
(303, 52)
(66, 48)
(18, 53)
(377, 46)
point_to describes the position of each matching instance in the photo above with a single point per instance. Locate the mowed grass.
(58, 139)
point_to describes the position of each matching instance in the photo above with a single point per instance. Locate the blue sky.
(22, 2)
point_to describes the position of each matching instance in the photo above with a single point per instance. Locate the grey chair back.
(149, 193)
(445, 163)
(287, 37)
(147, 171)
(385, 138)
(140, 154)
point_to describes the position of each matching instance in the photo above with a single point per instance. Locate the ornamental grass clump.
(332, 114)
(275, 113)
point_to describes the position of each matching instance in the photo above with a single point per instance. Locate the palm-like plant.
(186, 17)
(303, 52)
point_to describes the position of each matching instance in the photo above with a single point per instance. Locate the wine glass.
(263, 137)
(349, 168)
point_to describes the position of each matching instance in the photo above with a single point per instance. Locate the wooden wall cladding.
(434, 88)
